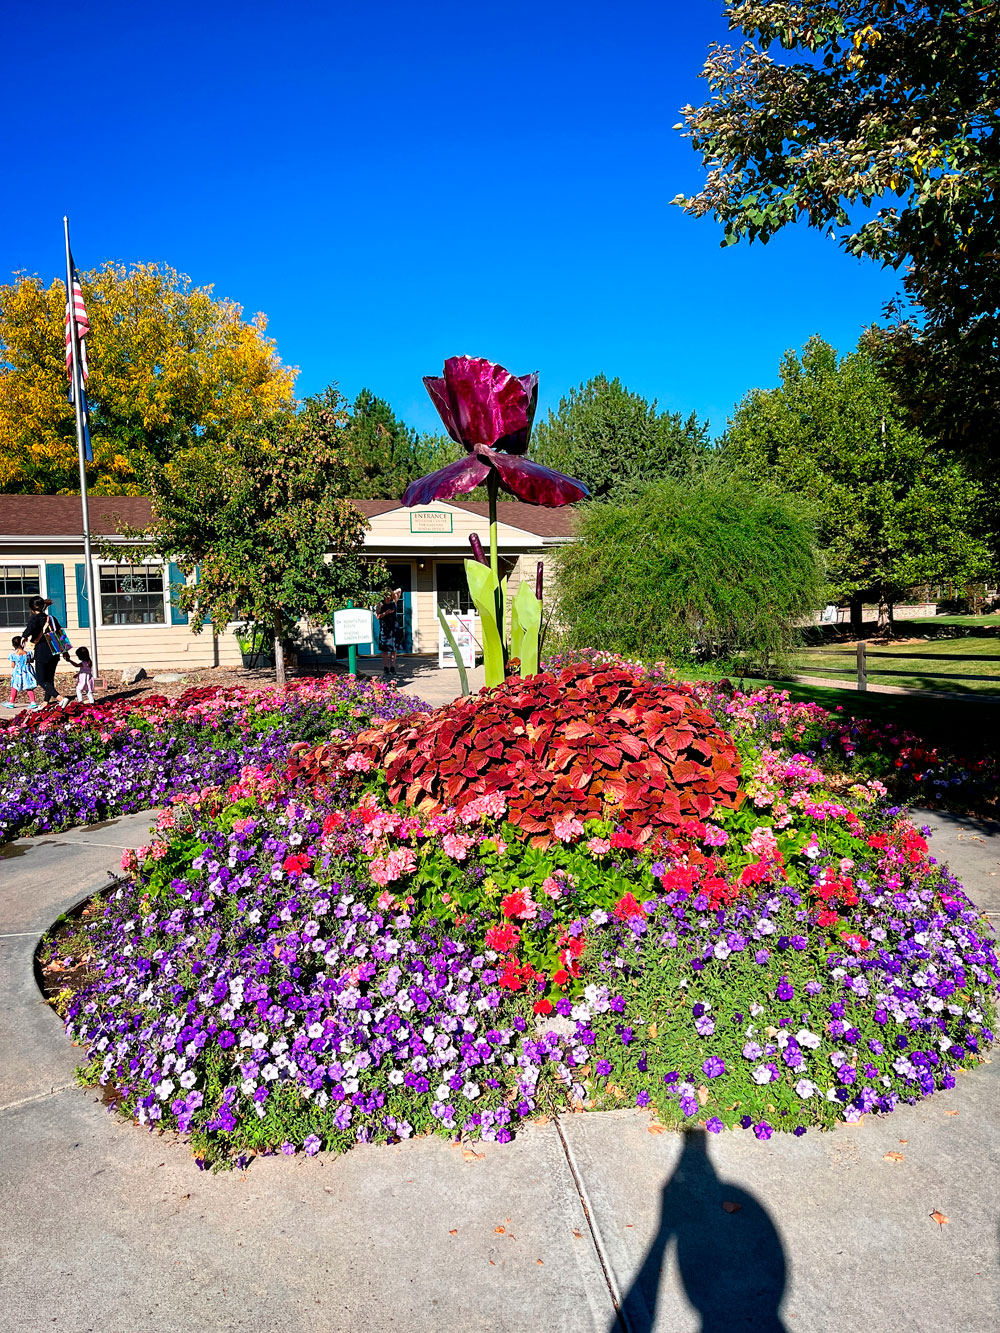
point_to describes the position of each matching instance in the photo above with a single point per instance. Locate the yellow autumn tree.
(171, 366)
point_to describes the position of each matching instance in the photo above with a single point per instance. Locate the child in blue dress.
(22, 675)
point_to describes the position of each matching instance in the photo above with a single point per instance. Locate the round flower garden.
(588, 889)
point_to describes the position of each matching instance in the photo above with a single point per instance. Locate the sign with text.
(430, 520)
(353, 625)
(463, 630)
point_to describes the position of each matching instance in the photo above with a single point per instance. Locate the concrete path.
(112, 1229)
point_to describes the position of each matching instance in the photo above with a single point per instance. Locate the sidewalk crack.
(595, 1234)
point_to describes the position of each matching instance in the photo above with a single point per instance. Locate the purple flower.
(786, 991)
(713, 1067)
(603, 1068)
(714, 1125)
(763, 1130)
(642, 1098)
(311, 1145)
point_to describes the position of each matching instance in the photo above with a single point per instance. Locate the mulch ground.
(224, 677)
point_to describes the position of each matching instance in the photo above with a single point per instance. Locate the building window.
(18, 584)
(453, 589)
(132, 595)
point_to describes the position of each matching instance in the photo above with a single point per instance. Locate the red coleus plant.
(580, 743)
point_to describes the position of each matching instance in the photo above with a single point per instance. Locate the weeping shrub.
(710, 568)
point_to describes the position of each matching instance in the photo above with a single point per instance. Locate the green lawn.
(972, 622)
(969, 727)
(902, 660)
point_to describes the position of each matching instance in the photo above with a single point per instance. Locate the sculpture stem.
(492, 490)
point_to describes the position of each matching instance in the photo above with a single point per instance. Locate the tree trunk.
(279, 651)
(857, 612)
(883, 629)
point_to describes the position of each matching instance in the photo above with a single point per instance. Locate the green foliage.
(886, 130)
(484, 589)
(706, 568)
(256, 517)
(893, 511)
(606, 436)
(380, 454)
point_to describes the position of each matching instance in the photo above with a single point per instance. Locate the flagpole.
(78, 409)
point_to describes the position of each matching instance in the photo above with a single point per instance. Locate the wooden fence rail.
(863, 653)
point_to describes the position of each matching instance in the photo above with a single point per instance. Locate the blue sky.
(396, 183)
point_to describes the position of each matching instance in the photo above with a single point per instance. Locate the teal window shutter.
(82, 605)
(197, 579)
(55, 587)
(177, 616)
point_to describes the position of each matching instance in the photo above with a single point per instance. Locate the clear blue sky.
(396, 183)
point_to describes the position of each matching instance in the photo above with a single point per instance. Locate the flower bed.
(87, 762)
(296, 963)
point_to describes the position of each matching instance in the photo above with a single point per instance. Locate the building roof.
(60, 516)
(530, 518)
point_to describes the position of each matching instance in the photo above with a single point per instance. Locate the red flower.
(754, 873)
(543, 1006)
(502, 938)
(827, 918)
(515, 975)
(295, 865)
(333, 821)
(514, 904)
(628, 907)
(622, 839)
(561, 977)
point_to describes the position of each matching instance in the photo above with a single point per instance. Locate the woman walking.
(45, 635)
(387, 613)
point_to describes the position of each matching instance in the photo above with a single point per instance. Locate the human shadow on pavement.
(730, 1256)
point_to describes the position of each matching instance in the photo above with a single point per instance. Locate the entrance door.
(400, 576)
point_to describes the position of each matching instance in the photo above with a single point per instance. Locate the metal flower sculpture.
(490, 412)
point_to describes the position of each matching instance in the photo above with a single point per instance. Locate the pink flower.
(456, 846)
(598, 846)
(567, 829)
(552, 887)
(379, 870)
(384, 899)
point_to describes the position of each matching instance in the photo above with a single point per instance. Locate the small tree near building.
(264, 521)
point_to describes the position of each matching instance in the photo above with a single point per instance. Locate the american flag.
(79, 313)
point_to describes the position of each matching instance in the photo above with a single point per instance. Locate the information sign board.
(353, 625)
(430, 520)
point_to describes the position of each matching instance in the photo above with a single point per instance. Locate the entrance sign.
(430, 520)
(464, 630)
(352, 626)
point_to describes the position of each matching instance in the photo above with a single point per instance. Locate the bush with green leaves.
(707, 569)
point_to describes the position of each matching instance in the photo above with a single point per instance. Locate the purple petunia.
(713, 1067)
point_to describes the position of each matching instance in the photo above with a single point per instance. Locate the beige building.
(41, 552)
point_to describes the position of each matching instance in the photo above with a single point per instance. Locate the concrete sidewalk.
(107, 1227)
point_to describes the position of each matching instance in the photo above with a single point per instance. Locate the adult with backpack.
(48, 639)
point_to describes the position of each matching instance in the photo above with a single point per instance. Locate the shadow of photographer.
(730, 1259)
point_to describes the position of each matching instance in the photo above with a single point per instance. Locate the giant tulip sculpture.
(489, 412)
